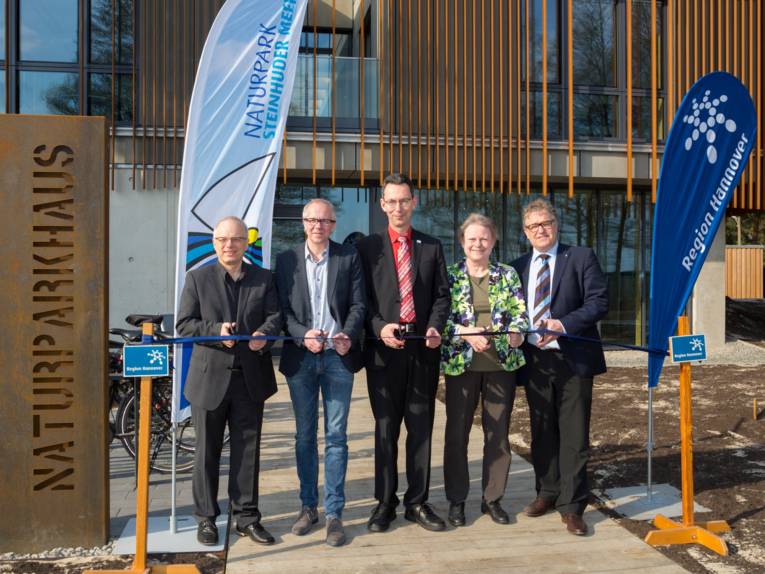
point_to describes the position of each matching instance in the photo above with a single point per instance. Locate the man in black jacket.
(228, 382)
(321, 291)
(566, 292)
(407, 294)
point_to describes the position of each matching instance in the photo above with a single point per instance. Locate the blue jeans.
(327, 372)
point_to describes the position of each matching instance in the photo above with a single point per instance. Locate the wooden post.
(669, 531)
(142, 489)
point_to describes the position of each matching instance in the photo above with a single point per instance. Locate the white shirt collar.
(308, 254)
(552, 252)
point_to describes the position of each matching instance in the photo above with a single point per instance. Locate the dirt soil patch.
(207, 563)
(728, 454)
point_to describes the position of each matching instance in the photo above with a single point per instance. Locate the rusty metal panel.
(53, 318)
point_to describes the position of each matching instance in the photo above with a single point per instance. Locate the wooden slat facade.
(744, 272)
(454, 91)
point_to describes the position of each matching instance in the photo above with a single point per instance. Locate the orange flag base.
(670, 532)
(687, 532)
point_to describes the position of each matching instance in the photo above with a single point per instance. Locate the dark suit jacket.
(431, 291)
(204, 306)
(345, 295)
(578, 299)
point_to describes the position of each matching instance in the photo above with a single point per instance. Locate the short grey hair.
(235, 219)
(322, 201)
(477, 219)
(539, 204)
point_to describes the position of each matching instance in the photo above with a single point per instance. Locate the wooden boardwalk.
(525, 545)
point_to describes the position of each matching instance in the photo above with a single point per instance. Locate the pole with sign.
(146, 361)
(686, 348)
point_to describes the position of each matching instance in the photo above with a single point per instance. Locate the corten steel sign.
(53, 317)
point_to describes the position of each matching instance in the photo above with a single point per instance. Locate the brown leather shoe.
(539, 507)
(574, 523)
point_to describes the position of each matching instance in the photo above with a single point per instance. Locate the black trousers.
(559, 406)
(404, 391)
(245, 421)
(496, 390)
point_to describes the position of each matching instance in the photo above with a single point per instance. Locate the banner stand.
(668, 531)
(142, 492)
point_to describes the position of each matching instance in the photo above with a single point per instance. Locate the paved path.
(526, 545)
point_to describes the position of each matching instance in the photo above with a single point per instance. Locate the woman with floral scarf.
(479, 356)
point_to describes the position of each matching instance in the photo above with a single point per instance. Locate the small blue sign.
(146, 361)
(687, 348)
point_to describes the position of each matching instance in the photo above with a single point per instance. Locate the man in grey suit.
(321, 292)
(228, 382)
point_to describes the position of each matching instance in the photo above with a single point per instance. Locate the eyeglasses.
(392, 203)
(224, 240)
(534, 227)
(316, 221)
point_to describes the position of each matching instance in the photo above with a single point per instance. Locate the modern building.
(483, 102)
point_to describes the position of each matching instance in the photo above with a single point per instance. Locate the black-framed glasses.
(317, 221)
(534, 227)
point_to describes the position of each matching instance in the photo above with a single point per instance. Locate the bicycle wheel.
(161, 444)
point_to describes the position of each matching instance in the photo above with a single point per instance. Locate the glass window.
(553, 70)
(286, 234)
(293, 194)
(101, 31)
(553, 115)
(100, 96)
(49, 93)
(48, 30)
(595, 116)
(641, 44)
(2, 92)
(434, 215)
(351, 208)
(641, 118)
(594, 42)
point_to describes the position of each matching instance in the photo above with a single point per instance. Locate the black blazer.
(431, 291)
(204, 306)
(345, 294)
(578, 299)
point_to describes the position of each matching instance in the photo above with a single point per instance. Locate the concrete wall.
(142, 236)
(708, 303)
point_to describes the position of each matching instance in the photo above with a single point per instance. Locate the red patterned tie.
(405, 281)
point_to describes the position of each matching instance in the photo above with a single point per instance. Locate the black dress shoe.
(207, 533)
(457, 514)
(256, 533)
(496, 512)
(423, 515)
(382, 515)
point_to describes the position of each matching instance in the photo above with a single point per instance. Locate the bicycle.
(124, 392)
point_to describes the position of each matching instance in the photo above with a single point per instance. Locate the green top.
(488, 360)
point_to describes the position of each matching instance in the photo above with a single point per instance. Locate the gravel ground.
(739, 353)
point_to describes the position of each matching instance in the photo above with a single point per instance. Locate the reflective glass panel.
(434, 215)
(641, 118)
(101, 31)
(48, 30)
(553, 114)
(641, 44)
(287, 233)
(351, 209)
(594, 41)
(553, 68)
(595, 116)
(49, 93)
(100, 96)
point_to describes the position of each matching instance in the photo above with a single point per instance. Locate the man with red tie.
(408, 295)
